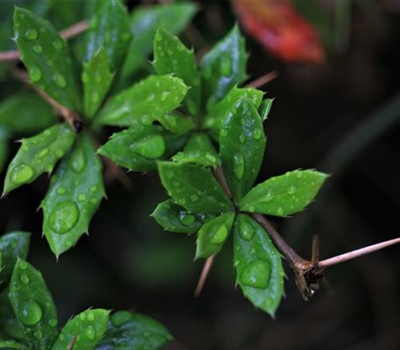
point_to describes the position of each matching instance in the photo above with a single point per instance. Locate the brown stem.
(219, 175)
(264, 79)
(204, 273)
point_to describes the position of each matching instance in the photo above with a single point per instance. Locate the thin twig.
(204, 274)
(74, 30)
(357, 253)
(264, 79)
(219, 175)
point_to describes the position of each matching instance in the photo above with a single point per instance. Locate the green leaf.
(4, 136)
(176, 124)
(174, 218)
(145, 20)
(223, 67)
(47, 58)
(265, 108)
(26, 113)
(97, 79)
(145, 101)
(200, 142)
(13, 245)
(33, 305)
(74, 195)
(213, 234)
(242, 145)
(219, 111)
(284, 195)
(127, 330)
(204, 159)
(135, 148)
(9, 325)
(258, 265)
(193, 187)
(11, 344)
(109, 29)
(84, 331)
(171, 56)
(37, 155)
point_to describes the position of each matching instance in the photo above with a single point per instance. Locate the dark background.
(339, 117)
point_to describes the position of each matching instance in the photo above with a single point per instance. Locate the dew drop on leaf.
(121, 317)
(25, 279)
(194, 198)
(220, 234)
(164, 95)
(246, 231)
(90, 333)
(82, 197)
(43, 152)
(186, 218)
(37, 48)
(30, 313)
(238, 165)
(78, 161)
(52, 322)
(31, 34)
(242, 138)
(292, 190)
(150, 147)
(35, 73)
(279, 211)
(61, 190)
(93, 189)
(38, 335)
(226, 66)
(90, 316)
(58, 44)
(257, 274)
(257, 134)
(22, 174)
(269, 197)
(64, 217)
(59, 80)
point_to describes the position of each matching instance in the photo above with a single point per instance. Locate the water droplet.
(151, 147)
(242, 138)
(42, 152)
(238, 165)
(64, 217)
(59, 153)
(93, 189)
(38, 335)
(194, 198)
(164, 95)
(186, 218)
(246, 231)
(53, 322)
(78, 160)
(252, 209)
(35, 74)
(82, 197)
(95, 97)
(21, 174)
(257, 274)
(226, 66)
(82, 316)
(180, 47)
(151, 97)
(48, 168)
(90, 333)
(220, 234)
(257, 134)
(31, 34)
(279, 211)
(224, 132)
(85, 77)
(23, 265)
(94, 200)
(269, 196)
(59, 80)
(121, 317)
(25, 148)
(37, 48)
(58, 44)
(299, 174)
(91, 316)
(25, 278)
(30, 313)
(292, 190)
(159, 37)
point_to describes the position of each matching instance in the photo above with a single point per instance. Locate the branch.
(264, 79)
(204, 273)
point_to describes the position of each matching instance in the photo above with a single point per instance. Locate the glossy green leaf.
(265, 108)
(26, 113)
(135, 148)
(127, 330)
(74, 195)
(258, 265)
(109, 29)
(242, 145)
(37, 155)
(213, 234)
(172, 56)
(219, 111)
(174, 218)
(47, 58)
(145, 101)
(144, 21)
(97, 79)
(11, 344)
(176, 124)
(193, 187)
(10, 327)
(84, 331)
(284, 195)
(223, 67)
(33, 305)
(200, 142)
(4, 138)
(13, 245)
(204, 159)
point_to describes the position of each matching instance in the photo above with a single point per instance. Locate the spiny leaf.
(37, 155)
(84, 331)
(127, 330)
(193, 187)
(109, 29)
(213, 234)
(10, 327)
(26, 113)
(75, 193)
(33, 305)
(284, 195)
(145, 101)
(174, 218)
(223, 67)
(258, 265)
(13, 245)
(145, 20)
(176, 124)
(242, 145)
(11, 344)
(47, 58)
(171, 56)
(265, 108)
(97, 79)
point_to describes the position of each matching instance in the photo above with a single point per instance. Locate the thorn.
(203, 276)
